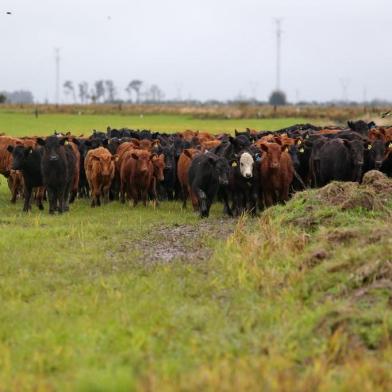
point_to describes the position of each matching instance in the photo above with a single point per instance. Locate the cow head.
(376, 153)
(356, 149)
(53, 147)
(158, 162)
(19, 156)
(246, 165)
(273, 152)
(143, 160)
(106, 163)
(222, 169)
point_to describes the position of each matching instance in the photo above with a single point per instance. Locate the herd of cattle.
(249, 171)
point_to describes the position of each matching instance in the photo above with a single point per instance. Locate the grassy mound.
(320, 273)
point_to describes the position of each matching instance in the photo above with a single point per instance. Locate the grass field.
(119, 299)
(23, 124)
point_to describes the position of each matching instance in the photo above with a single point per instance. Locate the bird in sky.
(9, 13)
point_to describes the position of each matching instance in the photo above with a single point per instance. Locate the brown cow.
(276, 173)
(184, 162)
(158, 163)
(16, 184)
(75, 183)
(5, 156)
(99, 166)
(136, 175)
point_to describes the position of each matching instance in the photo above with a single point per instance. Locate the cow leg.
(40, 197)
(226, 208)
(52, 201)
(203, 203)
(123, 185)
(27, 200)
(268, 198)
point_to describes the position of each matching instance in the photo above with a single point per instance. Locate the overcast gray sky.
(200, 48)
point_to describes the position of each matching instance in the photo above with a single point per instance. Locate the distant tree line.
(105, 91)
(20, 96)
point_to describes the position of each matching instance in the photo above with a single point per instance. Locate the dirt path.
(188, 243)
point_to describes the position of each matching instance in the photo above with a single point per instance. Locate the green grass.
(22, 124)
(83, 309)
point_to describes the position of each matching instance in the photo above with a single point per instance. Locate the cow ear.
(114, 158)
(41, 141)
(187, 153)
(235, 132)
(350, 124)
(134, 156)
(63, 141)
(76, 141)
(153, 156)
(155, 143)
(284, 147)
(105, 142)
(264, 147)
(277, 140)
(10, 148)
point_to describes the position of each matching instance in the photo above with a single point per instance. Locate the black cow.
(28, 161)
(169, 172)
(374, 155)
(58, 170)
(243, 182)
(361, 127)
(206, 173)
(341, 160)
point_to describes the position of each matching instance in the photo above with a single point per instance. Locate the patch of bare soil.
(187, 243)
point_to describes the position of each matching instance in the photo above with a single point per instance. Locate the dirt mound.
(378, 181)
(372, 194)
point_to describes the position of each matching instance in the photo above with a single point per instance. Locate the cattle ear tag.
(66, 142)
(301, 150)
(369, 147)
(234, 164)
(390, 145)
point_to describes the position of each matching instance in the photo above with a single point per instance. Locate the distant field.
(21, 124)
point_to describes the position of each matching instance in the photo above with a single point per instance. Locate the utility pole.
(278, 22)
(344, 83)
(57, 61)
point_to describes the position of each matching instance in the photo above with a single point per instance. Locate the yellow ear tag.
(234, 164)
(301, 150)
(299, 142)
(66, 142)
(390, 145)
(369, 147)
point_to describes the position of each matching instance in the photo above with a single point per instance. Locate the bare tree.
(111, 90)
(99, 89)
(156, 94)
(83, 92)
(135, 85)
(69, 89)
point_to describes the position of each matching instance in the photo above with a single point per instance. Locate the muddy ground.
(190, 243)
